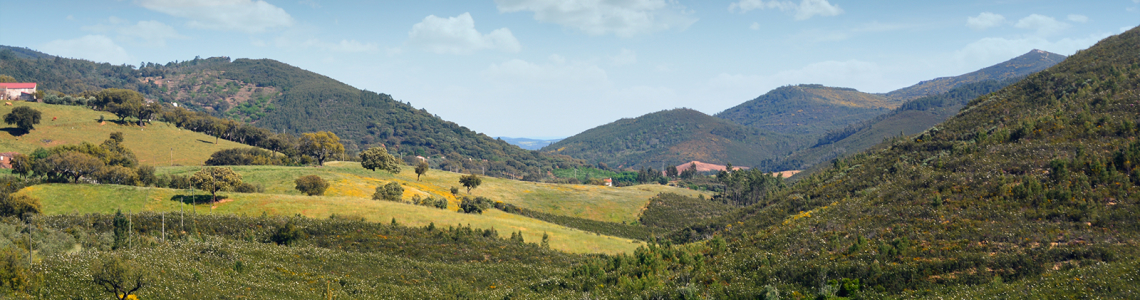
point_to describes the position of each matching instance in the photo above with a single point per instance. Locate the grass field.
(348, 179)
(349, 195)
(158, 144)
(83, 198)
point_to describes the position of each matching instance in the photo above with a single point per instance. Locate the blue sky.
(553, 68)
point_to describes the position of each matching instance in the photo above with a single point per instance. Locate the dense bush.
(312, 185)
(476, 205)
(391, 192)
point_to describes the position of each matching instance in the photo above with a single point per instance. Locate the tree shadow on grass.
(193, 199)
(14, 131)
(205, 141)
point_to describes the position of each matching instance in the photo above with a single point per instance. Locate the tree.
(454, 191)
(421, 169)
(73, 165)
(475, 206)
(312, 185)
(470, 181)
(378, 158)
(117, 96)
(215, 179)
(119, 277)
(391, 192)
(22, 165)
(117, 175)
(6, 78)
(321, 145)
(25, 118)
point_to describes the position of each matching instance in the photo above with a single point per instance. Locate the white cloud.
(1078, 18)
(343, 46)
(457, 35)
(228, 15)
(755, 26)
(153, 33)
(626, 57)
(1044, 25)
(985, 20)
(803, 11)
(96, 48)
(624, 18)
(558, 74)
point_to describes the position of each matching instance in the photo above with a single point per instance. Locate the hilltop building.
(608, 181)
(18, 91)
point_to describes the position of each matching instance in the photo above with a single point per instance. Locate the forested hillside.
(672, 137)
(911, 118)
(807, 111)
(1029, 192)
(283, 98)
(1017, 67)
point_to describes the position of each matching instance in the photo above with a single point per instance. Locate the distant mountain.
(528, 144)
(1018, 67)
(922, 113)
(672, 137)
(807, 111)
(284, 98)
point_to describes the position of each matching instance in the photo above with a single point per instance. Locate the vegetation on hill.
(912, 117)
(287, 99)
(672, 137)
(807, 111)
(1027, 184)
(1028, 63)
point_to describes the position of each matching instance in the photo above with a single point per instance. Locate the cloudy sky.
(553, 68)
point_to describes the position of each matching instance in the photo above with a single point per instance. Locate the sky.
(554, 68)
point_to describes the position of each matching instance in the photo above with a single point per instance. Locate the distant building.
(609, 182)
(6, 159)
(18, 91)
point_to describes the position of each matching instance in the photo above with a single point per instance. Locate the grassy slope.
(151, 144)
(350, 195)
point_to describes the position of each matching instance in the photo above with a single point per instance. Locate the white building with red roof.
(18, 91)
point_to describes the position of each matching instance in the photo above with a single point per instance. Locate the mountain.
(673, 137)
(25, 53)
(528, 144)
(922, 113)
(807, 110)
(1017, 67)
(1028, 192)
(284, 98)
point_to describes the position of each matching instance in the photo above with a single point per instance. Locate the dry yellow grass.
(83, 198)
(158, 144)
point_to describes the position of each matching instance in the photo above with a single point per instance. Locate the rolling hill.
(284, 98)
(159, 144)
(807, 111)
(1028, 63)
(673, 137)
(1028, 192)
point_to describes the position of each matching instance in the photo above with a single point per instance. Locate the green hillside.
(1018, 67)
(911, 118)
(673, 137)
(807, 111)
(1030, 192)
(284, 98)
(158, 144)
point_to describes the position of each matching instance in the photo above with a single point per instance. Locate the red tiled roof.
(18, 85)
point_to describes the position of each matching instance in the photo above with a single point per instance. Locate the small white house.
(18, 91)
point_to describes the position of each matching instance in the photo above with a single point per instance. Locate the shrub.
(475, 206)
(391, 192)
(18, 205)
(246, 187)
(146, 176)
(312, 185)
(117, 175)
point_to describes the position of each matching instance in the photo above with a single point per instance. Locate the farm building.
(6, 159)
(18, 91)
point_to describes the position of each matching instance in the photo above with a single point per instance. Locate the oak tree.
(215, 179)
